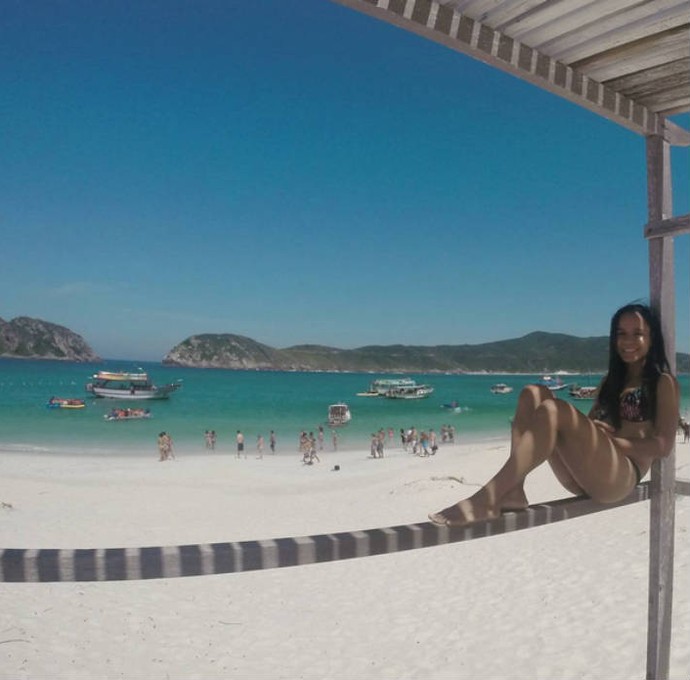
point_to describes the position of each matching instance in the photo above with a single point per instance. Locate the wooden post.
(662, 510)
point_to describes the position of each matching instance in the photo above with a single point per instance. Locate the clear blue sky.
(300, 173)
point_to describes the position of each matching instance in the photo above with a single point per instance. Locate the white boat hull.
(112, 419)
(131, 395)
(417, 393)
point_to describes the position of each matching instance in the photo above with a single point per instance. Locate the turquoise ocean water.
(252, 401)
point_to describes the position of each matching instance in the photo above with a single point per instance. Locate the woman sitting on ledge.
(603, 455)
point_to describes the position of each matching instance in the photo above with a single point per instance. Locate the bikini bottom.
(638, 472)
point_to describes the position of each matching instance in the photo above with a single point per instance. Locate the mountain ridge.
(536, 352)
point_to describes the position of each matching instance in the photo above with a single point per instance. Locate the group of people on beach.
(419, 443)
(309, 443)
(425, 443)
(308, 446)
(260, 444)
(210, 439)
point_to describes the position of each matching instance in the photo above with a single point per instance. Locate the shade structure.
(629, 62)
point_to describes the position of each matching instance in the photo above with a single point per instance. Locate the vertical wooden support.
(662, 511)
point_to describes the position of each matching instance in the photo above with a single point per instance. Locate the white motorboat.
(501, 388)
(339, 414)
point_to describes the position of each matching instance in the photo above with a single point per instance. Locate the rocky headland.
(27, 338)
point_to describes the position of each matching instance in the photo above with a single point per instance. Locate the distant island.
(27, 338)
(537, 352)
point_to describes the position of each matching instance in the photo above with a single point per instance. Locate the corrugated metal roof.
(628, 60)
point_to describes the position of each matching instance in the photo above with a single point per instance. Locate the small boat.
(381, 386)
(501, 388)
(127, 414)
(410, 392)
(339, 414)
(585, 392)
(554, 384)
(59, 402)
(120, 385)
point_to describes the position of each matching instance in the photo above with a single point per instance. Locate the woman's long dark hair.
(655, 364)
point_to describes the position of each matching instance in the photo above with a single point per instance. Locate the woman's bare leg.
(584, 451)
(530, 397)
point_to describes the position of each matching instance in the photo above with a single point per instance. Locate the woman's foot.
(514, 500)
(463, 513)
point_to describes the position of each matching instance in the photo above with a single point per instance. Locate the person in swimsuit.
(603, 455)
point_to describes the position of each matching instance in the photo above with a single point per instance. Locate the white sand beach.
(567, 600)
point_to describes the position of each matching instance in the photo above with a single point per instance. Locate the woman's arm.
(662, 437)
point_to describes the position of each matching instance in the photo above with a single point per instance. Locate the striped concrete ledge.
(119, 564)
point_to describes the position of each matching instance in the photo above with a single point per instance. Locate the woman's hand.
(603, 425)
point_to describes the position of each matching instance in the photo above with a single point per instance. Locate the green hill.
(536, 352)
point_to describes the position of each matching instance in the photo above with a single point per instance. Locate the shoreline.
(227, 447)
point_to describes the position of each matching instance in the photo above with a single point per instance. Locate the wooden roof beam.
(443, 25)
(674, 134)
(674, 226)
(608, 64)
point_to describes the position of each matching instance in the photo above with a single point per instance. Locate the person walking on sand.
(169, 453)
(424, 443)
(320, 436)
(162, 443)
(413, 438)
(433, 441)
(260, 446)
(603, 455)
(240, 444)
(165, 447)
(380, 443)
(312, 448)
(272, 441)
(373, 445)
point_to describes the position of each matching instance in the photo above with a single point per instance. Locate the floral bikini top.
(633, 407)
